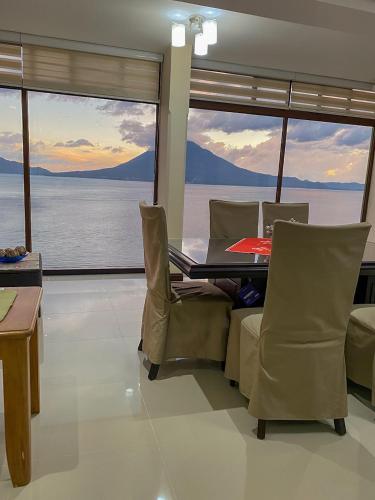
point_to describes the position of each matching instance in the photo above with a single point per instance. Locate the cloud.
(10, 138)
(62, 97)
(9, 92)
(140, 134)
(231, 122)
(114, 150)
(119, 108)
(354, 136)
(309, 131)
(74, 144)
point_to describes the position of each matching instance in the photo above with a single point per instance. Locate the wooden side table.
(19, 353)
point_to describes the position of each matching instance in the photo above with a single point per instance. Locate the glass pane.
(230, 156)
(96, 162)
(325, 165)
(11, 169)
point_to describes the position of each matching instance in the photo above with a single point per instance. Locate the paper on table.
(7, 297)
(261, 246)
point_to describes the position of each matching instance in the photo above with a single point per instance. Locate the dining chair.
(291, 356)
(283, 211)
(233, 219)
(180, 319)
(360, 347)
(228, 220)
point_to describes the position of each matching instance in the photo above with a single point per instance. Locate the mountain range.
(202, 167)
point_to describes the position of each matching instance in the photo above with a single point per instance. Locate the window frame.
(299, 115)
(27, 185)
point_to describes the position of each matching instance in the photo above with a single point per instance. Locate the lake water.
(94, 223)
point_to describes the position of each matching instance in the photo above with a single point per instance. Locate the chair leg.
(153, 373)
(261, 433)
(340, 426)
(232, 383)
(140, 345)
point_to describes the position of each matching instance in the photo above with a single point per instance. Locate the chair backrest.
(283, 211)
(312, 277)
(233, 219)
(155, 244)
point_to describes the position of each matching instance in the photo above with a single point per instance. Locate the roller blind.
(10, 65)
(217, 86)
(326, 99)
(77, 72)
(240, 89)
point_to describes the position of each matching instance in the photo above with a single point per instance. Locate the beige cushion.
(360, 347)
(252, 324)
(232, 365)
(191, 290)
(364, 316)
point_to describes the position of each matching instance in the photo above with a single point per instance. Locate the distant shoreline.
(55, 175)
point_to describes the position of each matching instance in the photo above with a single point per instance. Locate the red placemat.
(261, 246)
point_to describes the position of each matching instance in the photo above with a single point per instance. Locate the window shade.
(240, 89)
(76, 72)
(10, 65)
(326, 99)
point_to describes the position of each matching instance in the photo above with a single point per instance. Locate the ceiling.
(329, 38)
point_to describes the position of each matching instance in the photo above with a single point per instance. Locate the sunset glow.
(76, 133)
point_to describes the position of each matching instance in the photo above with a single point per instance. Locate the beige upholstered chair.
(233, 219)
(291, 357)
(360, 347)
(182, 319)
(283, 211)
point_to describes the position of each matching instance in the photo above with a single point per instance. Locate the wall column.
(174, 109)
(369, 201)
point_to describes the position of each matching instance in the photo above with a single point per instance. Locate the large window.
(11, 169)
(92, 162)
(235, 156)
(325, 165)
(230, 156)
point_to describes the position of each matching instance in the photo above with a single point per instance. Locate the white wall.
(370, 217)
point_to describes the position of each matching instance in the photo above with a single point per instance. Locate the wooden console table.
(27, 272)
(19, 353)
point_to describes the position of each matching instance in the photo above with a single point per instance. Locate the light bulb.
(178, 35)
(210, 31)
(200, 46)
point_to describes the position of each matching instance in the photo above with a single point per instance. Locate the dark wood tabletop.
(199, 258)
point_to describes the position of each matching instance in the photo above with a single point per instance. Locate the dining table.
(209, 258)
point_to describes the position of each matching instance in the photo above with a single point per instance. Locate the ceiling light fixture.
(201, 45)
(210, 31)
(178, 35)
(203, 30)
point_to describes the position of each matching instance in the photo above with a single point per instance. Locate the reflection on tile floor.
(106, 433)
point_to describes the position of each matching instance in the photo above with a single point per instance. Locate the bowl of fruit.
(11, 255)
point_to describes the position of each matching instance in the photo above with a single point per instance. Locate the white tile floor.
(106, 433)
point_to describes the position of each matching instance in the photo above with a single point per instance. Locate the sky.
(79, 133)
(75, 133)
(316, 151)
